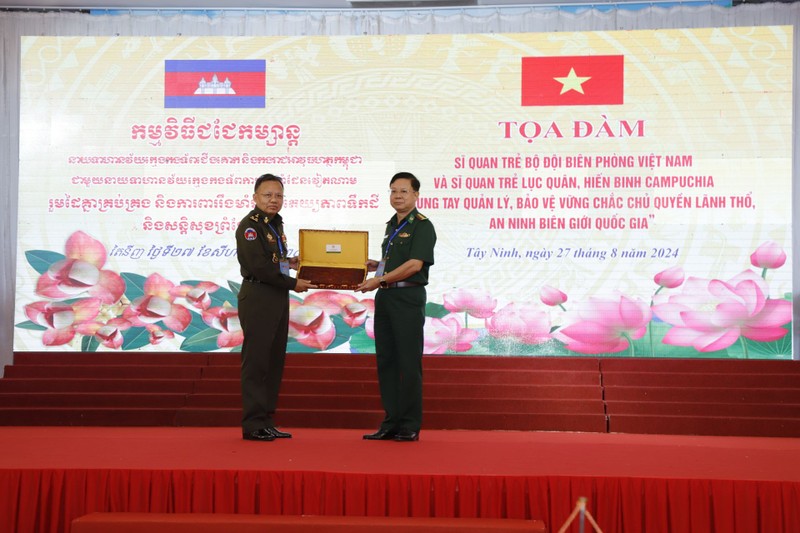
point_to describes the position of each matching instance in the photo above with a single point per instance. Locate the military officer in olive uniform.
(400, 277)
(264, 307)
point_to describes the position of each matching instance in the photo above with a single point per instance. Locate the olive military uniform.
(264, 315)
(399, 321)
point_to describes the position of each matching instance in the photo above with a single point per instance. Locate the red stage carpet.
(634, 483)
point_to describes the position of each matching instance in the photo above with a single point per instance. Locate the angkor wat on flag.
(239, 83)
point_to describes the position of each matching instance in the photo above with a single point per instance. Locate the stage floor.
(438, 452)
(655, 482)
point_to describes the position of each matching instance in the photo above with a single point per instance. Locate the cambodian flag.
(199, 83)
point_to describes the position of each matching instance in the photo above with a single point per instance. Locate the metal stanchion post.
(580, 510)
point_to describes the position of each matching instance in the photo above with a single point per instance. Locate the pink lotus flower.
(226, 320)
(311, 326)
(158, 335)
(768, 255)
(156, 305)
(476, 303)
(605, 325)
(81, 272)
(670, 278)
(711, 315)
(332, 302)
(355, 314)
(447, 334)
(109, 334)
(522, 322)
(552, 296)
(60, 319)
(197, 296)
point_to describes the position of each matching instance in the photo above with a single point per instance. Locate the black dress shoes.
(259, 434)
(406, 435)
(278, 434)
(381, 434)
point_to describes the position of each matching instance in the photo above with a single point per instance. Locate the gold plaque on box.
(333, 259)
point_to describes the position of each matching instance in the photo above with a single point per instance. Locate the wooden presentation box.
(333, 259)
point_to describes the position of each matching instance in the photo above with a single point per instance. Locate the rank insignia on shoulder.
(254, 218)
(250, 234)
(404, 235)
(421, 216)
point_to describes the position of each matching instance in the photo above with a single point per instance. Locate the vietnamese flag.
(572, 80)
(201, 83)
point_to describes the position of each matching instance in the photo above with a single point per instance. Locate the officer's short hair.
(406, 176)
(267, 177)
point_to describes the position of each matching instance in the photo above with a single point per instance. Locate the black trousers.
(399, 322)
(264, 317)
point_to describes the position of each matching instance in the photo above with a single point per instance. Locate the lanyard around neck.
(280, 244)
(389, 244)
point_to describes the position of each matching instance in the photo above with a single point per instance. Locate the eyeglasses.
(270, 196)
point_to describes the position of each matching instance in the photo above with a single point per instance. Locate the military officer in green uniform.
(400, 277)
(264, 307)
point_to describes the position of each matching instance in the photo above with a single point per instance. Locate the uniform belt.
(402, 284)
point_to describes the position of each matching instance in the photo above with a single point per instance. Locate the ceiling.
(308, 4)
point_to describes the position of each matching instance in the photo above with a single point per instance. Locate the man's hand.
(372, 265)
(369, 285)
(303, 285)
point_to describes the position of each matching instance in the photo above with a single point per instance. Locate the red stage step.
(237, 523)
(707, 397)
(703, 397)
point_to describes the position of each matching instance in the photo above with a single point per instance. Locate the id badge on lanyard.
(284, 263)
(381, 268)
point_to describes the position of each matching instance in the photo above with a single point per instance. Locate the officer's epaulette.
(254, 217)
(420, 216)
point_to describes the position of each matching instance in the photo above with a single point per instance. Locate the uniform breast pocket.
(401, 247)
(272, 245)
(402, 241)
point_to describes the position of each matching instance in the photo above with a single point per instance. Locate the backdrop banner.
(612, 193)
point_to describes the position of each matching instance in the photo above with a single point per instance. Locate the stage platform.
(50, 476)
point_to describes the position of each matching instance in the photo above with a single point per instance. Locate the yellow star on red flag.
(572, 82)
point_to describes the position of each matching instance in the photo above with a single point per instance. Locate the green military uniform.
(263, 314)
(399, 321)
